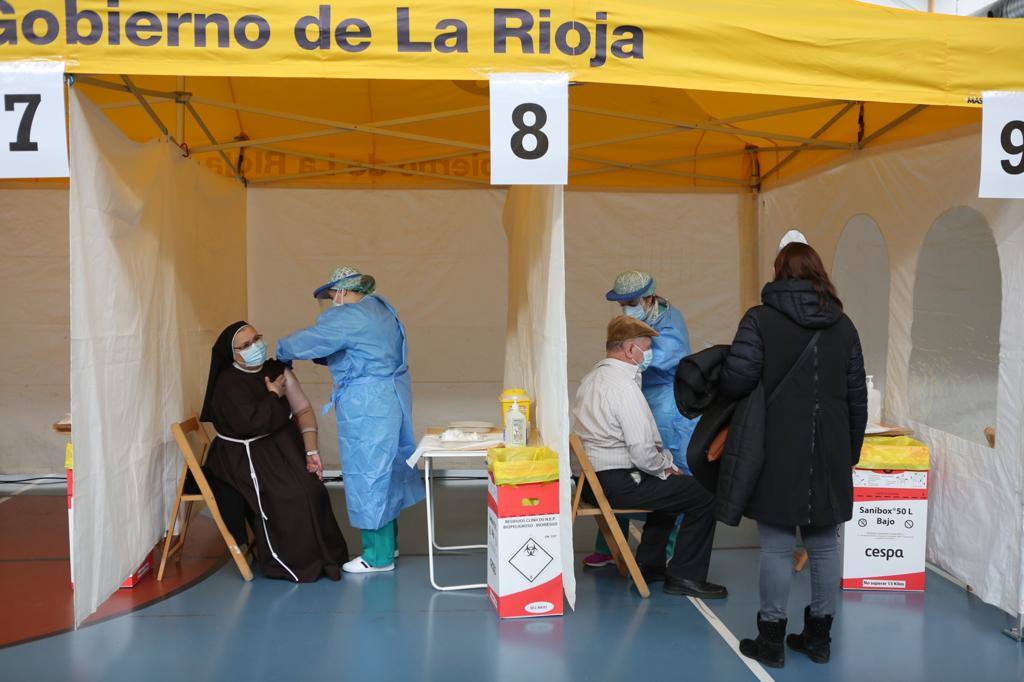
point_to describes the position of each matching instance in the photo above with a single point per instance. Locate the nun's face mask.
(250, 350)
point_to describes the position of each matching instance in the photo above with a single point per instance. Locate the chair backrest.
(576, 446)
(181, 432)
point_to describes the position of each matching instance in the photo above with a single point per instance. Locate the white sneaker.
(357, 565)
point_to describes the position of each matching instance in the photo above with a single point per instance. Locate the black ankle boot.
(768, 648)
(815, 640)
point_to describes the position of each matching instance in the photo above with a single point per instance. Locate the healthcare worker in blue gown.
(362, 341)
(634, 291)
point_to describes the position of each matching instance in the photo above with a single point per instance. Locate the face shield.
(326, 300)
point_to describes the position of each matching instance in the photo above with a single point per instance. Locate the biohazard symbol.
(530, 560)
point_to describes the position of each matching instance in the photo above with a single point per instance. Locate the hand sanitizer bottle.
(515, 427)
(874, 402)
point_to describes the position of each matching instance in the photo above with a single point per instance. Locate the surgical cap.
(631, 285)
(347, 278)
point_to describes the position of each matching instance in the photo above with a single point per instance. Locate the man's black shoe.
(652, 574)
(701, 589)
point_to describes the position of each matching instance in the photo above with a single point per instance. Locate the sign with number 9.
(1002, 146)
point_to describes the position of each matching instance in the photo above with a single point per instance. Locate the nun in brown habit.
(264, 464)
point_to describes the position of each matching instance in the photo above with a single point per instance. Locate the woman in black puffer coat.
(814, 430)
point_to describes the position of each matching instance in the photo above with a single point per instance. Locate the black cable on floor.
(22, 481)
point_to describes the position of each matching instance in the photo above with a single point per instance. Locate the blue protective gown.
(365, 348)
(671, 346)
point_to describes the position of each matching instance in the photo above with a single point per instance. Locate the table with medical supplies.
(433, 454)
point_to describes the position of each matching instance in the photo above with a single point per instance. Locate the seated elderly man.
(636, 471)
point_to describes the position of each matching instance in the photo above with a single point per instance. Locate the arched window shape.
(954, 364)
(860, 272)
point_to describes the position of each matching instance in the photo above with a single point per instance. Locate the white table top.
(430, 446)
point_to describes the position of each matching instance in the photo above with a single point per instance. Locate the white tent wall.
(975, 509)
(536, 348)
(438, 256)
(157, 263)
(688, 242)
(34, 390)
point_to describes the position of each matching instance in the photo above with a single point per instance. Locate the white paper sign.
(33, 142)
(529, 129)
(1002, 146)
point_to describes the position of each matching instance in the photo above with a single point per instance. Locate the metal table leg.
(431, 544)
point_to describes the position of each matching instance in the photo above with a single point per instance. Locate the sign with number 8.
(529, 129)
(1002, 146)
(33, 141)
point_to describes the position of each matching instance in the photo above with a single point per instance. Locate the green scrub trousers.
(379, 545)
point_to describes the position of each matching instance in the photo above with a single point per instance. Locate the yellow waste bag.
(516, 466)
(899, 452)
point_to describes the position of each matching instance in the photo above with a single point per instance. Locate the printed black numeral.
(24, 142)
(1013, 148)
(540, 117)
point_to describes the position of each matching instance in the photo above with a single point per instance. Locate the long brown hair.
(800, 261)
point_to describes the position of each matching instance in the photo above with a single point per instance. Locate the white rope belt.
(259, 502)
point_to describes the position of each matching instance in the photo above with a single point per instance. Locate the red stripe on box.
(907, 582)
(882, 494)
(542, 600)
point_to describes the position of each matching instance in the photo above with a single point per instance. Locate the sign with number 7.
(529, 129)
(1002, 146)
(33, 141)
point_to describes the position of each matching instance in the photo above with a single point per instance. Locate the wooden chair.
(604, 514)
(193, 464)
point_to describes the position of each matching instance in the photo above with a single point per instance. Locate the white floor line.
(19, 491)
(759, 672)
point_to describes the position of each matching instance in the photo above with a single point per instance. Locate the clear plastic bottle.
(515, 427)
(874, 402)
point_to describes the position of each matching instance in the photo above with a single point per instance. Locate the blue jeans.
(777, 545)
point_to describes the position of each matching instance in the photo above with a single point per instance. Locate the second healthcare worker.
(363, 343)
(635, 292)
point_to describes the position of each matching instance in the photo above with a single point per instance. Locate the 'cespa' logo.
(886, 554)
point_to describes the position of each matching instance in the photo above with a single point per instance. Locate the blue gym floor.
(395, 627)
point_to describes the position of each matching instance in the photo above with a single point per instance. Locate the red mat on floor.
(35, 574)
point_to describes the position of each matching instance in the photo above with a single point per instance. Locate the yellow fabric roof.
(725, 93)
(392, 133)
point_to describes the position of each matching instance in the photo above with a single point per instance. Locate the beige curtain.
(535, 347)
(157, 269)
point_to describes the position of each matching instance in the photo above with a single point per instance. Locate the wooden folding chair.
(605, 516)
(193, 464)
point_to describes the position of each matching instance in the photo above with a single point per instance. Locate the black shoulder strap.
(792, 370)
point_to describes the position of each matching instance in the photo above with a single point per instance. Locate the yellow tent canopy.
(723, 96)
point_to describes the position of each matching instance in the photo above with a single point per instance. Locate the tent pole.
(750, 248)
(700, 157)
(351, 127)
(661, 171)
(711, 128)
(750, 236)
(1016, 632)
(149, 110)
(99, 83)
(206, 131)
(913, 111)
(333, 131)
(718, 121)
(818, 133)
(179, 112)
